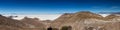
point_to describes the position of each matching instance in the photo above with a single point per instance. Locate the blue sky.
(57, 6)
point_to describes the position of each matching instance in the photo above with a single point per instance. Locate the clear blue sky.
(57, 6)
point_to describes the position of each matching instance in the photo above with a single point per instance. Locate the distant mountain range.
(73, 19)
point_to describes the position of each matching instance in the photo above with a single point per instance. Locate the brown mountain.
(86, 20)
(72, 17)
(69, 18)
(112, 16)
(11, 24)
(33, 22)
(85, 15)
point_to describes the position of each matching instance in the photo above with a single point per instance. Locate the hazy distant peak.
(84, 12)
(109, 12)
(0, 15)
(67, 13)
(27, 18)
(87, 13)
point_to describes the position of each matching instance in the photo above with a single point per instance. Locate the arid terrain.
(84, 20)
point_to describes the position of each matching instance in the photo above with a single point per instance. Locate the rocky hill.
(11, 24)
(71, 17)
(83, 18)
(112, 16)
(33, 22)
(85, 15)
